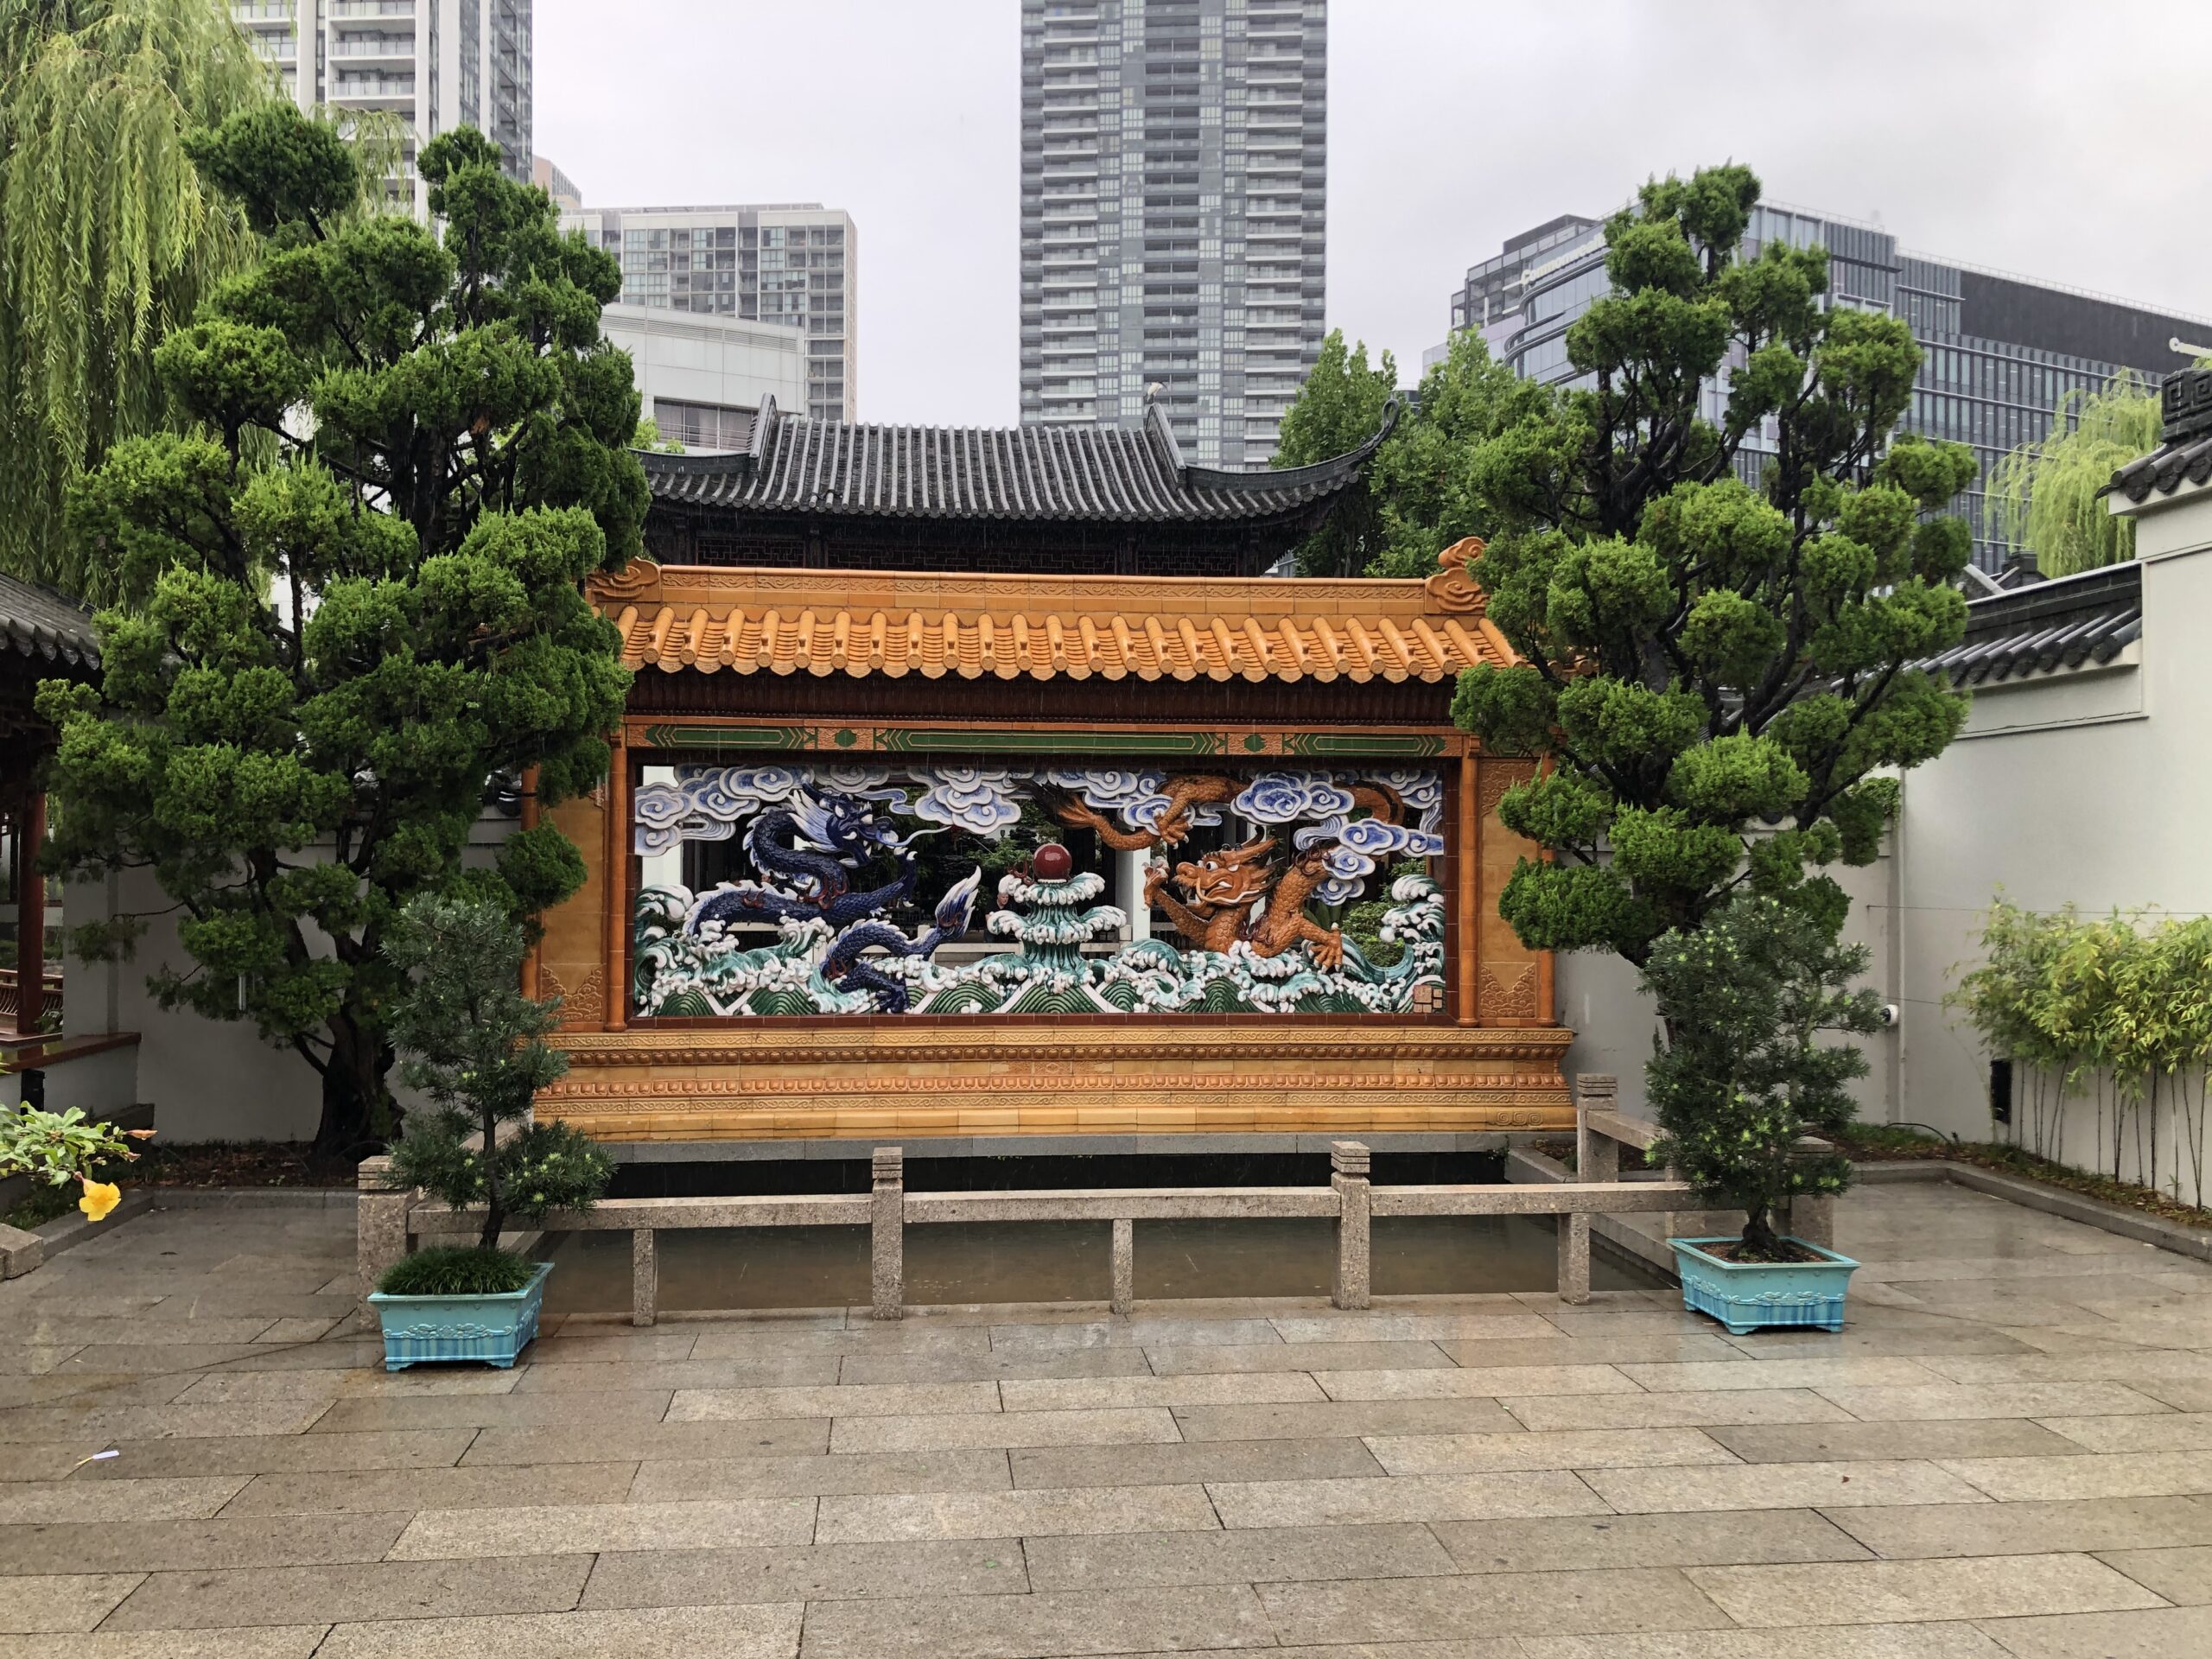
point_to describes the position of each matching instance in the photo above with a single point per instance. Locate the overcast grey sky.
(2063, 140)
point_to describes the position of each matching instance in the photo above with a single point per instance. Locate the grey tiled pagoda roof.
(2184, 452)
(2071, 622)
(45, 626)
(2166, 468)
(1094, 474)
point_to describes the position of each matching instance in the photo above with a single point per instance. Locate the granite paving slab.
(1692, 1409)
(1051, 1623)
(1347, 1355)
(943, 1430)
(58, 1603)
(2171, 1431)
(493, 1410)
(1137, 1330)
(1594, 1448)
(2183, 1576)
(763, 1632)
(650, 1442)
(1493, 1382)
(262, 1642)
(182, 1497)
(886, 1518)
(991, 1367)
(180, 1546)
(672, 1374)
(2026, 1529)
(886, 1399)
(1944, 1640)
(1972, 1437)
(1400, 1497)
(1139, 1563)
(1547, 1543)
(108, 1424)
(1339, 1420)
(959, 1469)
(479, 1486)
(1512, 1604)
(211, 1597)
(1185, 1463)
(2160, 1633)
(1779, 1486)
(702, 1578)
(1219, 1388)
(2027, 1399)
(1880, 1593)
(556, 1529)
(2118, 1474)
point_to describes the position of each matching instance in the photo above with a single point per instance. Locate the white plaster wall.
(731, 361)
(1614, 1024)
(207, 1079)
(2087, 789)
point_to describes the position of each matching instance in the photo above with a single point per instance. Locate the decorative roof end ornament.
(1452, 587)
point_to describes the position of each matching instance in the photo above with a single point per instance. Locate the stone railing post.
(887, 1235)
(1597, 1156)
(644, 1275)
(1812, 1217)
(1348, 1162)
(380, 1227)
(1124, 1253)
(1575, 1257)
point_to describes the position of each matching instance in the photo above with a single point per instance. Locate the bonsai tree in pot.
(475, 1046)
(1743, 1077)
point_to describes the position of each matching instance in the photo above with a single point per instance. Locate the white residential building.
(791, 263)
(435, 64)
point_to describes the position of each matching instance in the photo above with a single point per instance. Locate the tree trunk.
(1759, 1243)
(358, 1114)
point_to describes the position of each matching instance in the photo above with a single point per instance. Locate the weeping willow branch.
(107, 237)
(2044, 497)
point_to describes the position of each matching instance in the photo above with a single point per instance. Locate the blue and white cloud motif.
(1290, 796)
(1361, 843)
(1421, 792)
(982, 800)
(706, 803)
(863, 783)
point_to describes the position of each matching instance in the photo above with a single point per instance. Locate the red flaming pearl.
(1053, 863)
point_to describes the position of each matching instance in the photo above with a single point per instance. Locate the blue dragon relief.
(830, 834)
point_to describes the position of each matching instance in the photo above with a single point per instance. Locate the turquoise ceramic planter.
(421, 1330)
(1745, 1296)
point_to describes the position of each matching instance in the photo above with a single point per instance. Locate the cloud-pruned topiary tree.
(352, 593)
(1718, 638)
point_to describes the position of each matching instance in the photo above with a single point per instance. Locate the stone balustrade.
(392, 1223)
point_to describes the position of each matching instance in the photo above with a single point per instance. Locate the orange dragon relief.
(1238, 892)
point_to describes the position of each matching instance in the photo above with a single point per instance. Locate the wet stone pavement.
(2008, 1453)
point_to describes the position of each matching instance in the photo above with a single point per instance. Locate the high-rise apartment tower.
(435, 64)
(1174, 210)
(793, 263)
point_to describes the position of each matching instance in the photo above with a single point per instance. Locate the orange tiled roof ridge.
(784, 621)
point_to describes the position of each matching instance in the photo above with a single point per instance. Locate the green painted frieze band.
(905, 740)
(728, 737)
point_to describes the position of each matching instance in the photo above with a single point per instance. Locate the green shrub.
(457, 1270)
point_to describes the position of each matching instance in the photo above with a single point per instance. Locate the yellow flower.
(100, 1197)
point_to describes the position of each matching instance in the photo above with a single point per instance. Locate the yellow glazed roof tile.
(782, 621)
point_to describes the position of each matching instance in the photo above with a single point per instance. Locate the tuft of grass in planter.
(457, 1270)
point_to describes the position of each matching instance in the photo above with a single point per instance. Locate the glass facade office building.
(1997, 352)
(1174, 207)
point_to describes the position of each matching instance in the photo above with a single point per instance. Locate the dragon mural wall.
(836, 873)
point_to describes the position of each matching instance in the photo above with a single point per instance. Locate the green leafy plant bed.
(1881, 1143)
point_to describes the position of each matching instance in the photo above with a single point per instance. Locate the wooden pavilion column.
(1467, 897)
(617, 877)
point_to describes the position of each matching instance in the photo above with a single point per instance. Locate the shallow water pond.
(1045, 1262)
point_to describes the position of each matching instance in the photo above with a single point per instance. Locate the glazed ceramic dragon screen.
(870, 890)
